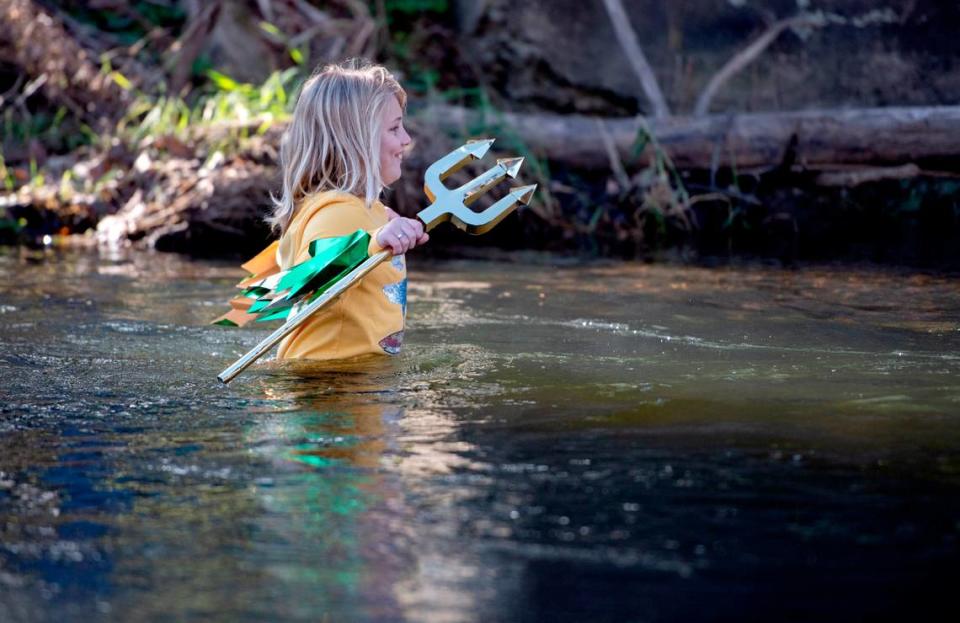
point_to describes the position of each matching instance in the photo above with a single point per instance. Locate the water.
(616, 442)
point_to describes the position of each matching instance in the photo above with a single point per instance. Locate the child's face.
(393, 142)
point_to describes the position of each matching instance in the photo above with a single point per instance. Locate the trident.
(447, 205)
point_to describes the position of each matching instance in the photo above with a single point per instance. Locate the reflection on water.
(610, 442)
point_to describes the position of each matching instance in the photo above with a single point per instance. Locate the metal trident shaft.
(447, 205)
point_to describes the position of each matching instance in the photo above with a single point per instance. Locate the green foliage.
(9, 182)
(662, 197)
(11, 225)
(736, 216)
(418, 78)
(53, 130)
(106, 68)
(661, 165)
(226, 101)
(414, 7)
(924, 192)
(421, 80)
(133, 22)
(413, 43)
(298, 56)
(299, 52)
(36, 177)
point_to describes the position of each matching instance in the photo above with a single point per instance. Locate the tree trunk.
(813, 139)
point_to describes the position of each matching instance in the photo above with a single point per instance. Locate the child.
(343, 146)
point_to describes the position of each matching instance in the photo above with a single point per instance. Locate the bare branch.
(747, 55)
(853, 175)
(638, 61)
(191, 43)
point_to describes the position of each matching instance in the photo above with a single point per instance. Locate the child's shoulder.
(321, 215)
(330, 200)
(328, 204)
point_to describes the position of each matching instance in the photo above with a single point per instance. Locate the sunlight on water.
(671, 438)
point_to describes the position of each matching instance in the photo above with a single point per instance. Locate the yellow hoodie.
(367, 318)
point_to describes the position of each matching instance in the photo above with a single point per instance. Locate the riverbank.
(148, 125)
(195, 199)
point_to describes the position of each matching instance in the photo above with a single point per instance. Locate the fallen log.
(812, 139)
(178, 197)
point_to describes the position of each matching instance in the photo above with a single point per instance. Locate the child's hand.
(401, 234)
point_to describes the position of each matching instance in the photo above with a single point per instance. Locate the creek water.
(557, 442)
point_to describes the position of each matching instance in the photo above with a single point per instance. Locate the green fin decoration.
(330, 260)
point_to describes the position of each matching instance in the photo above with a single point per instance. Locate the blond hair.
(333, 141)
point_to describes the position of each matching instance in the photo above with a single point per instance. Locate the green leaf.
(417, 6)
(595, 218)
(223, 81)
(121, 80)
(640, 142)
(297, 56)
(270, 28)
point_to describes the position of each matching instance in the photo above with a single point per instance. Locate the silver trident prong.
(508, 167)
(453, 162)
(451, 204)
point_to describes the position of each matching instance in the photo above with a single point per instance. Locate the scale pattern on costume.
(397, 294)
